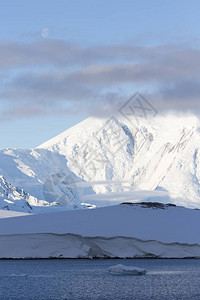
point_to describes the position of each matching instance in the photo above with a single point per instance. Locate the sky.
(62, 61)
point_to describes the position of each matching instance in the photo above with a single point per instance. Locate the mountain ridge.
(111, 156)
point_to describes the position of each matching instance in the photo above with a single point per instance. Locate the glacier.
(143, 230)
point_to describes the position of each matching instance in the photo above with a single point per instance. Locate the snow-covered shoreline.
(40, 246)
(122, 231)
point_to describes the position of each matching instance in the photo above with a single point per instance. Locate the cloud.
(55, 75)
(61, 53)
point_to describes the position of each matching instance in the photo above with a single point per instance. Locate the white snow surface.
(11, 214)
(165, 225)
(138, 230)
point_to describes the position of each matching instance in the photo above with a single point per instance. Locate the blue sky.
(92, 55)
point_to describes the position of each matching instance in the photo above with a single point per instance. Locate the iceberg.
(121, 269)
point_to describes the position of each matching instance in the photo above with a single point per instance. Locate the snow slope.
(14, 199)
(138, 230)
(11, 214)
(36, 171)
(101, 162)
(149, 154)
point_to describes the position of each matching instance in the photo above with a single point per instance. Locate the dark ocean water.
(89, 279)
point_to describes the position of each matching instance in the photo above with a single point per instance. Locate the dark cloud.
(62, 53)
(53, 75)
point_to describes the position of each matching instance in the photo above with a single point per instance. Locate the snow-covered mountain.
(161, 153)
(115, 160)
(99, 163)
(12, 198)
(16, 199)
(44, 176)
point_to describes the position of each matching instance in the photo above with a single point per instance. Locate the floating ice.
(121, 269)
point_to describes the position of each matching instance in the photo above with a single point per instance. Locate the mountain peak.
(113, 157)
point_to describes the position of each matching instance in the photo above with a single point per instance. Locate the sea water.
(90, 279)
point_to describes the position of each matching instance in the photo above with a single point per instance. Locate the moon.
(45, 33)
